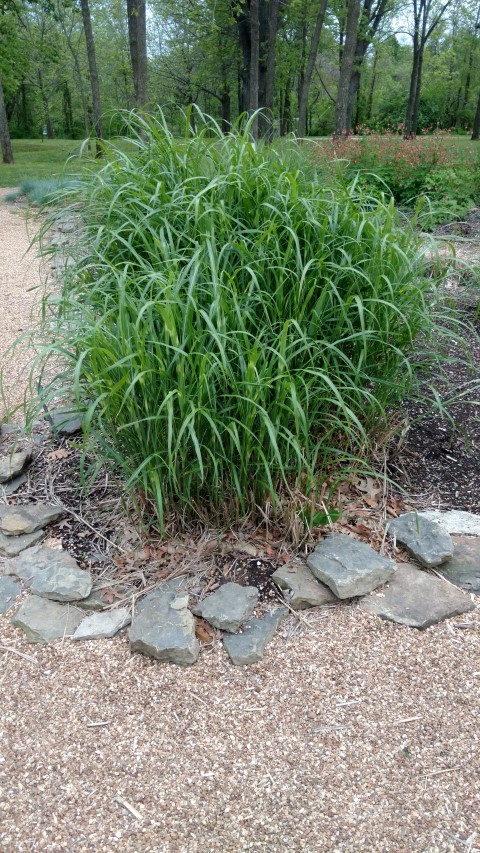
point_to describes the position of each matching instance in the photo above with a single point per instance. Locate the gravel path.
(352, 734)
(19, 271)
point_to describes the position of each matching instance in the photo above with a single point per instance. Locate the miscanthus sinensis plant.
(233, 326)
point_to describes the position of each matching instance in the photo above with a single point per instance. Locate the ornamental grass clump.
(233, 326)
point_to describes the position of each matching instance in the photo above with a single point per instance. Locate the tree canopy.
(312, 67)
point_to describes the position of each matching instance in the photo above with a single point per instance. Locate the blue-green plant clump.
(234, 326)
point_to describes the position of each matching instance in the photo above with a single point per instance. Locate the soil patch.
(438, 460)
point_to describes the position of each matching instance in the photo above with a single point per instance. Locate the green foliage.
(233, 326)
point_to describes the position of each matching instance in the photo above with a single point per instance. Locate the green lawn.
(37, 160)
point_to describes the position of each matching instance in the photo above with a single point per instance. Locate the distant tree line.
(311, 67)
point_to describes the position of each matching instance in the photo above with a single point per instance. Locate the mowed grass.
(37, 160)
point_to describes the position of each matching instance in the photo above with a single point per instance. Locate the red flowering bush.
(407, 168)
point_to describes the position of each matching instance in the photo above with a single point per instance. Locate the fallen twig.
(446, 770)
(20, 654)
(128, 806)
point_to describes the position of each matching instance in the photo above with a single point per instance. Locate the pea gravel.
(19, 272)
(356, 734)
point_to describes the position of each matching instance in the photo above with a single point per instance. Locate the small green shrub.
(40, 192)
(237, 326)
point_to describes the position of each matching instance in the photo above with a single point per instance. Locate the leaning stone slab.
(348, 567)
(16, 520)
(417, 599)
(13, 465)
(98, 598)
(229, 606)
(44, 621)
(306, 590)
(249, 646)
(463, 569)
(51, 573)
(455, 521)
(423, 539)
(99, 626)
(176, 585)
(10, 546)
(9, 589)
(164, 630)
(7, 489)
(66, 421)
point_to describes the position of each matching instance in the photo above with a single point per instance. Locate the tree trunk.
(307, 76)
(266, 118)
(254, 62)
(368, 110)
(225, 102)
(468, 80)
(243, 25)
(416, 103)
(92, 67)
(476, 122)
(422, 32)
(137, 38)
(286, 111)
(303, 56)
(257, 23)
(67, 110)
(46, 108)
(353, 89)
(5, 143)
(407, 132)
(346, 67)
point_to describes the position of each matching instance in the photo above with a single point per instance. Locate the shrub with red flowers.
(435, 166)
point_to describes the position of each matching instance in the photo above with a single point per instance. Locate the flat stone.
(9, 589)
(15, 520)
(306, 590)
(463, 569)
(99, 626)
(66, 421)
(228, 607)
(249, 646)
(417, 599)
(44, 621)
(423, 539)
(164, 632)
(67, 224)
(7, 489)
(455, 521)
(348, 567)
(97, 600)
(57, 239)
(12, 465)
(9, 429)
(10, 546)
(51, 573)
